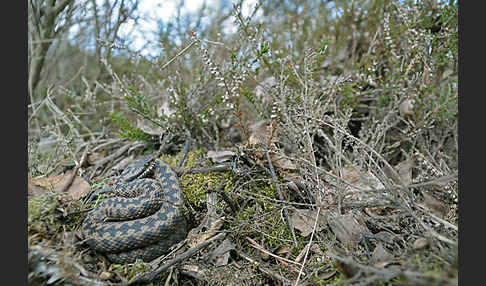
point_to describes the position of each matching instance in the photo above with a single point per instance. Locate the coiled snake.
(144, 218)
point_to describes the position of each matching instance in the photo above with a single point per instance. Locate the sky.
(166, 9)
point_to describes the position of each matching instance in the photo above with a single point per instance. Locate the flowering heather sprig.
(388, 38)
(232, 86)
(430, 172)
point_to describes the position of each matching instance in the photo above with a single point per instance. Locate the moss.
(195, 186)
(41, 207)
(42, 222)
(47, 219)
(129, 271)
(262, 219)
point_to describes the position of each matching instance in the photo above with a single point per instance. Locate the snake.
(143, 219)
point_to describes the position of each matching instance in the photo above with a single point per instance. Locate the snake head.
(139, 170)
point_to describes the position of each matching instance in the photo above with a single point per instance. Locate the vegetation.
(345, 109)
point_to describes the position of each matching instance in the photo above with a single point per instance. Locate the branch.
(60, 6)
(148, 277)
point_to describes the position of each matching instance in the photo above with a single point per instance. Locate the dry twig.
(148, 277)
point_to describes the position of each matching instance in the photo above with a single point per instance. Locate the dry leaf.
(347, 269)
(381, 256)
(220, 156)
(420, 243)
(303, 221)
(357, 183)
(279, 161)
(148, 127)
(406, 107)
(404, 169)
(348, 229)
(259, 133)
(220, 256)
(434, 205)
(282, 249)
(78, 189)
(34, 189)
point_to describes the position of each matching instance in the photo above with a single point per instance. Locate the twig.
(145, 116)
(148, 277)
(228, 200)
(308, 247)
(109, 158)
(178, 55)
(259, 247)
(444, 222)
(108, 142)
(187, 146)
(220, 168)
(385, 274)
(163, 140)
(363, 241)
(79, 212)
(269, 272)
(73, 175)
(280, 196)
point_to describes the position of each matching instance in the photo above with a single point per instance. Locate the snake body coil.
(144, 219)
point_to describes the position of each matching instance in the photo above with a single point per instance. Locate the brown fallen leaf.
(433, 205)
(280, 161)
(381, 256)
(420, 243)
(348, 229)
(303, 220)
(48, 183)
(220, 256)
(56, 183)
(347, 269)
(78, 189)
(220, 156)
(260, 133)
(406, 107)
(34, 189)
(357, 183)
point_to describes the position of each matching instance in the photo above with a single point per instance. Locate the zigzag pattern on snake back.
(144, 218)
